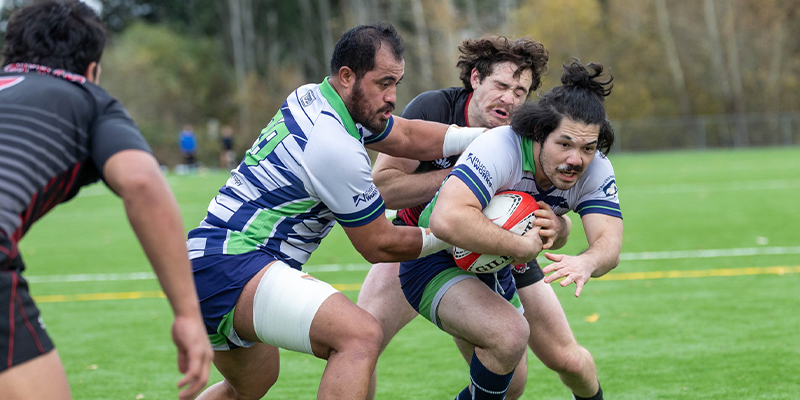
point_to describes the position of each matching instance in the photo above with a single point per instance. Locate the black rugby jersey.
(448, 106)
(57, 130)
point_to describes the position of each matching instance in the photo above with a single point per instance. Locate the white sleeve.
(489, 163)
(339, 172)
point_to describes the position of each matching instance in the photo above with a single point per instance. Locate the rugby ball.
(510, 210)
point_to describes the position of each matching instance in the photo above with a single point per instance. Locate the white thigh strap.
(284, 305)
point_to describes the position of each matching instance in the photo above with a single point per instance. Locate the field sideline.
(704, 304)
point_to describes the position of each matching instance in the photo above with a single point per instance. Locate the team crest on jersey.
(366, 196)
(442, 163)
(307, 99)
(480, 168)
(610, 186)
(6, 83)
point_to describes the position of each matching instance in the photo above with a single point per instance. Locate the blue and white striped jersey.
(501, 160)
(307, 169)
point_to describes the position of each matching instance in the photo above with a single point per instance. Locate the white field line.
(650, 255)
(777, 184)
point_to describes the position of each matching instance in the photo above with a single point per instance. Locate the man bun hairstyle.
(356, 49)
(579, 98)
(64, 34)
(482, 54)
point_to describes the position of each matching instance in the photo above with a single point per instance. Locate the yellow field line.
(345, 287)
(626, 276)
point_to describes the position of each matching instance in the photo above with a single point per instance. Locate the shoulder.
(435, 105)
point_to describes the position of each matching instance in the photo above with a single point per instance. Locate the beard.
(360, 109)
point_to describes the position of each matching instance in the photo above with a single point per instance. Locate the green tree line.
(234, 61)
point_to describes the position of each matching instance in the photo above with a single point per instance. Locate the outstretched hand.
(568, 267)
(194, 355)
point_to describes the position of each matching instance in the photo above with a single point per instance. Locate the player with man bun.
(556, 151)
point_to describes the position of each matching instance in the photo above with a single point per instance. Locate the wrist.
(457, 138)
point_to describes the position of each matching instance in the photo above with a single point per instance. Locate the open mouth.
(500, 113)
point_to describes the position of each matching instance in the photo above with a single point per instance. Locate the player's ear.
(475, 78)
(92, 73)
(347, 77)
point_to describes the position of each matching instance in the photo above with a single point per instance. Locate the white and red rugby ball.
(510, 210)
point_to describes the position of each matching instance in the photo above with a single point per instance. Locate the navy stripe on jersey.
(363, 217)
(377, 138)
(473, 182)
(599, 207)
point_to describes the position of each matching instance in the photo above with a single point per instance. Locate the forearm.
(602, 256)
(400, 190)
(155, 218)
(425, 140)
(468, 228)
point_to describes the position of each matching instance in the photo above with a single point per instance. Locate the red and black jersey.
(448, 106)
(57, 130)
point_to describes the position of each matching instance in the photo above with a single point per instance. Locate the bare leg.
(249, 373)
(40, 378)
(341, 332)
(472, 312)
(553, 342)
(382, 297)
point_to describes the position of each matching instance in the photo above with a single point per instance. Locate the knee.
(225, 390)
(511, 343)
(572, 361)
(366, 338)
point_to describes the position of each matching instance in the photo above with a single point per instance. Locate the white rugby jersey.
(501, 160)
(307, 169)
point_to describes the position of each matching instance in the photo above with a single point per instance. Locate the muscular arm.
(424, 140)
(381, 241)
(604, 234)
(153, 213)
(400, 187)
(458, 219)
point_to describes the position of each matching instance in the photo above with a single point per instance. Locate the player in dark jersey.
(60, 131)
(498, 75)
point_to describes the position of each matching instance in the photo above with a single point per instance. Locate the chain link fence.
(707, 131)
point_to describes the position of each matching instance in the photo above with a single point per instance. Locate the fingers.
(578, 288)
(196, 373)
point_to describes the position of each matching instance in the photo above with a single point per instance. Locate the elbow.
(441, 226)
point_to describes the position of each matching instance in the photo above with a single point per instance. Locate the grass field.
(704, 305)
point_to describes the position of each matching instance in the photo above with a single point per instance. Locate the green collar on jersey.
(527, 154)
(338, 105)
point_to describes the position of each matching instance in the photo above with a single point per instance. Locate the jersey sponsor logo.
(307, 99)
(610, 186)
(366, 196)
(6, 83)
(442, 163)
(480, 168)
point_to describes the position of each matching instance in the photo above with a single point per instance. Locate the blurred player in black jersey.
(498, 76)
(60, 131)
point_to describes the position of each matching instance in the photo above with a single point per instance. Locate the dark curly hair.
(482, 54)
(64, 34)
(357, 47)
(580, 99)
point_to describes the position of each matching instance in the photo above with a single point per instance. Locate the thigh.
(339, 323)
(469, 310)
(278, 307)
(41, 378)
(550, 331)
(250, 371)
(382, 297)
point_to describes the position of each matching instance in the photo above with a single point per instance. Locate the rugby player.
(498, 74)
(555, 150)
(308, 170)
(59, 131)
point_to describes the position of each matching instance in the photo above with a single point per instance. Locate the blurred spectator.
(188, 144)
(227, 156)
